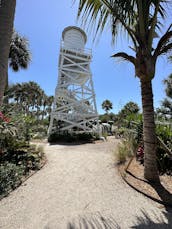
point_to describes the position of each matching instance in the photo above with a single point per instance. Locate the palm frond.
(164, 44)
(125, 56)
(100, 13)
(19, 55)
(166, 49)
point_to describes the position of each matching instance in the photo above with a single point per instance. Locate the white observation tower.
(74, 109)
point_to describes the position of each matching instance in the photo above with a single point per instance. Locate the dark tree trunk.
(149, 135)
(7, 11)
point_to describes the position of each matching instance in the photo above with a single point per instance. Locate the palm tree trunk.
(7, 11)
(149, 135)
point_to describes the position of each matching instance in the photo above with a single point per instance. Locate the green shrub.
(69, 137)
(126, 149)
(10, 177)
(29, 157)
(165, 133)
(164, 162)
(39, 131)
(121, 154)
(16, 164)
(17, 157)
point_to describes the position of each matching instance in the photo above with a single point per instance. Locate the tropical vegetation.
(165, 111)
(107, 105)
(24, 117)
(143, 21)
(19, 57)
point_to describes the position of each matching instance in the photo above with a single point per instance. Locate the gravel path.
(80, 185)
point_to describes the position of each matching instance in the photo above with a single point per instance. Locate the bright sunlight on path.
(78, 181)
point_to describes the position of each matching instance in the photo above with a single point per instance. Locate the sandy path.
(78, 180)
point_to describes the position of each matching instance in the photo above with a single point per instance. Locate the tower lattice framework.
(74, 108)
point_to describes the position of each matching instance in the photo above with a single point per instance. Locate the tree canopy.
(107, 105)
(142, 20)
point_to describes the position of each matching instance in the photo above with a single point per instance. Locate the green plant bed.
(10, 177)
(16, 165)
(164, 162)
(70, 137)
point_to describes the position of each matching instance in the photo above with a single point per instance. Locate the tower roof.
(76, 28)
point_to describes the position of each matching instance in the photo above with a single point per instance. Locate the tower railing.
(85, 51)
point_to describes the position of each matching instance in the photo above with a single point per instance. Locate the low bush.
(163, 132)
(164, 162)
(17, 157)
(126, 149)
(10, 177)
(15, 165)
(121, 154)
(70, 137)
(28, 156)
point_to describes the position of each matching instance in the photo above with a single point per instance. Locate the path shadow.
(164, 194)
(93, 222)
(163, 221)
(145, 221)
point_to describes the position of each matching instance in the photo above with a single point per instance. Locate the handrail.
(81, 51)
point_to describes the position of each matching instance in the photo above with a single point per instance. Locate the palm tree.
(107, 105)
(142, 21)
(129, 108)
(28, 96)
(7, 11)
(19, 55)
(50, 100)
(166, 104)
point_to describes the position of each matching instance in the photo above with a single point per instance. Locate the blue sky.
(42, 22)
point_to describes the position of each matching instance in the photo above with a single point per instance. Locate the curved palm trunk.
(149, 135)
(7, 11)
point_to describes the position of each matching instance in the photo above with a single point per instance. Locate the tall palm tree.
(19, 55)
(129, 108)
(28, 97)
(7, 11)
(107, 105)
(142, 21)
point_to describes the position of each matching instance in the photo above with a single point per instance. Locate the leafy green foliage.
(142, 21)
(10, 177)
(19, 56)
(166, 105)
(108, 117)
(129, 109)
(28, 156)
(30, 100)
(8, 131)
(68, 137)
(164, 162)
(126, 149)
(133, 136)
(165, 133)
(17, 157)
(107, 105)
(16, 164)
